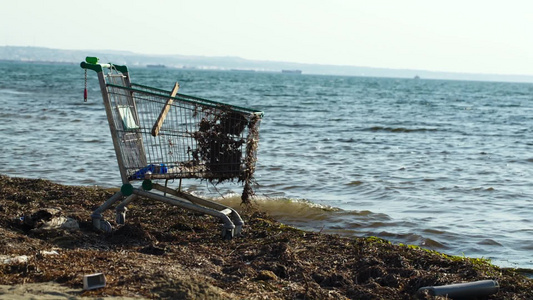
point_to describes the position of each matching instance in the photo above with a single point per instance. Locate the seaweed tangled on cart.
(220, 142)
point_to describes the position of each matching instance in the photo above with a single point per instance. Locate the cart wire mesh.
(198, 138)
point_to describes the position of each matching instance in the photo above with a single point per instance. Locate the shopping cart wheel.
(238, 230)
(227, 234)
(121, 217)
(105, 226)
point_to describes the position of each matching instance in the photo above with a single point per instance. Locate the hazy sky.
(459, 36)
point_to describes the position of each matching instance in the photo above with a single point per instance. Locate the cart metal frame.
(163, 135)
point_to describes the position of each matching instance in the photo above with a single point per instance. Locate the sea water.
(447, 165)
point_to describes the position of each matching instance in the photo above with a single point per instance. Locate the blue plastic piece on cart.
(153, 169)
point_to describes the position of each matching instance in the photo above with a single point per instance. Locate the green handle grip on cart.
(92, 60)
(91, 63)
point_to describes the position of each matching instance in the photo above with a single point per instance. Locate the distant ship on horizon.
(155, 66)
(292, 71)
(243, 70)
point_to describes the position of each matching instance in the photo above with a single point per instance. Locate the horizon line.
(525, 77)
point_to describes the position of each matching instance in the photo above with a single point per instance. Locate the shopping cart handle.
(99, 67)
(95, 67)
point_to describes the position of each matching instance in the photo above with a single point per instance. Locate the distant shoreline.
(42, 62)
(48, 55)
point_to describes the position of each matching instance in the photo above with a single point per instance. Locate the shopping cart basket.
(162, 135)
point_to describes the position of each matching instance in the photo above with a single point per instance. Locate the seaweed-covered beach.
(166, 252)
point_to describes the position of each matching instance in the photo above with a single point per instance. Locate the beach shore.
(46, 291)
(167, 252)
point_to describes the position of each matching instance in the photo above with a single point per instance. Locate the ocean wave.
(13, 92)
(399, 129)
(307, 215)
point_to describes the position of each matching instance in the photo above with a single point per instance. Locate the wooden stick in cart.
(164, 112)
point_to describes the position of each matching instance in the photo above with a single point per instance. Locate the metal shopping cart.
(161, 135)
